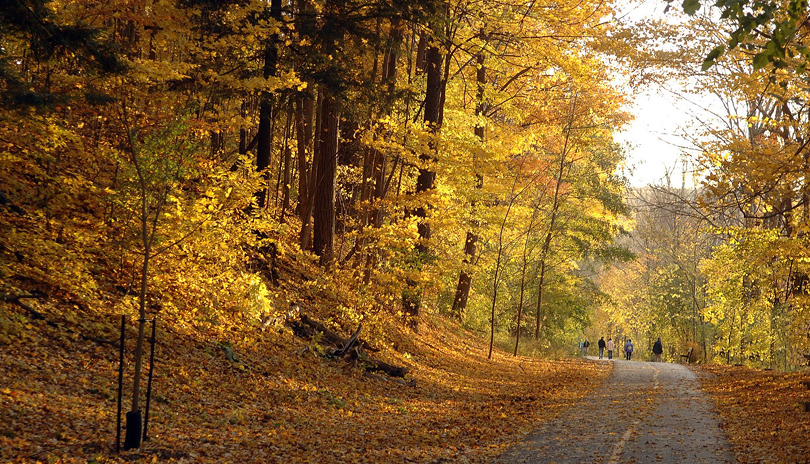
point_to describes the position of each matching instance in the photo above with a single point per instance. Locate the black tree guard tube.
(120, 386)
(132, 439)
(149, 382)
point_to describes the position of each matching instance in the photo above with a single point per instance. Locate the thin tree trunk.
(379, 161)
(470, 243)
(286, 165)
(497, 276)
(265, 141)
(555, 207)
(523, 268)
(304, 115)
(306, 226)
(242, 130)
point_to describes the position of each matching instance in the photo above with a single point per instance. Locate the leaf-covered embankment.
(279, 400)
(762, 411)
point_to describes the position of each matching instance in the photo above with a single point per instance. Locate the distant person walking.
(585, 346)
(658, 349)
(601, 344)
(610, 347)
(628, 349)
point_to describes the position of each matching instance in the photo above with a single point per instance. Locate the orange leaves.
(761, 412)
(286, 403)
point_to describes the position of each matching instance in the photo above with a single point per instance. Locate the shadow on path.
(643, 413)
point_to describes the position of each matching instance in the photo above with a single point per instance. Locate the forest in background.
(389, 165)
(722, 266)
(420, 159)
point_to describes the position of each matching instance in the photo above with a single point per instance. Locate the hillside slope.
(280, 402)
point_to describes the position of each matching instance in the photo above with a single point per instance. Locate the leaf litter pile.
(762, 412)
(274, 398)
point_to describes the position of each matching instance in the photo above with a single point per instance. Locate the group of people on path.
(657, 349)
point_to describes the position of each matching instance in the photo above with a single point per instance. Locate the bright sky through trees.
(654, 138)
(663, 114)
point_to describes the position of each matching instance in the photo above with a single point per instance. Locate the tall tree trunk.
(326, 147)
(500, 257)
(562, 167)
(304, 115)
(540, 286)
(265, 134)
(242, 130)
(427, 177)
(470, 243)
(304, 109)
(265, 142)
(285, 168)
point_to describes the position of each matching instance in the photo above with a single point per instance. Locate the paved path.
(644, 413)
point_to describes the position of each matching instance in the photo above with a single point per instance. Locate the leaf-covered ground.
(762, 412)
(280, 402)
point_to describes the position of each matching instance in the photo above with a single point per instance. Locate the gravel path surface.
(644, 413)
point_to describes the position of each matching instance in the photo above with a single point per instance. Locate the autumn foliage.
(278, 399)
(763, 412)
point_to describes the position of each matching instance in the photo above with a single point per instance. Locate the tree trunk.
(540, 298)
(555, 207)
(427, 177)
(326, 147)
(379, 161)
(286, 174)
(265, 141)
(524, 266)
(265, 134)
(304, 115)
(470, 243)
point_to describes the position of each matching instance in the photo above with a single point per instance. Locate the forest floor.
(277, 400)
(762, 412)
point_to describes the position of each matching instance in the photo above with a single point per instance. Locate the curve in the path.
(644, 413)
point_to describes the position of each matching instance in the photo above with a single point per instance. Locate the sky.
(652, 140)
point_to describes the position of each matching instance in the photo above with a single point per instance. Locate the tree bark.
(470, 243)
(326, 148)
(426, 179)
(304, 116)
(265, 134)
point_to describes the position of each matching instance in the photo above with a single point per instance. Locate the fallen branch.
(346, 346)
(308, 328)
(373, 365)
(33, 312)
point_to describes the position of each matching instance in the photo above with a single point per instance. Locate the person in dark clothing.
(628, 349)
(585, 346)
(601, 347)
(658, 349)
